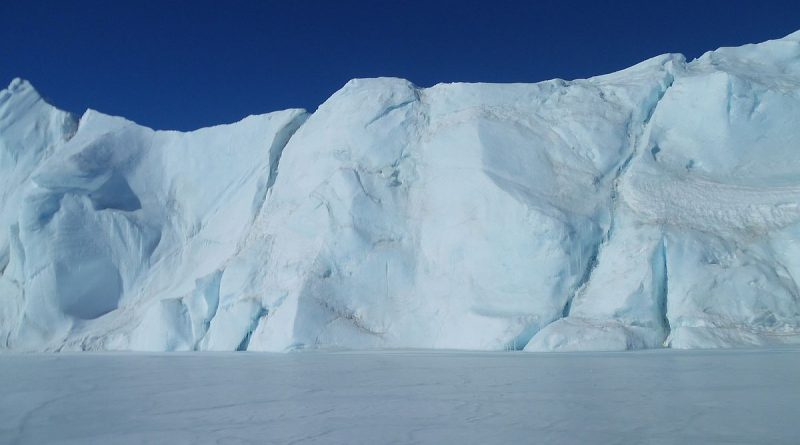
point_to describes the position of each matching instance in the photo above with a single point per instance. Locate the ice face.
(118, 228)
(655, 206)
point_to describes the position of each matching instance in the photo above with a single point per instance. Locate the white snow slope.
(656, 206)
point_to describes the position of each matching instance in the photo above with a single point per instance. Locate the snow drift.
(656, 206)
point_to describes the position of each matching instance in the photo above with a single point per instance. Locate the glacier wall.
(658, 206)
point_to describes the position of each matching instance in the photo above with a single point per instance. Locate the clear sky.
(188, 64)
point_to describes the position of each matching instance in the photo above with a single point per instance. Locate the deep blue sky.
(185, 65)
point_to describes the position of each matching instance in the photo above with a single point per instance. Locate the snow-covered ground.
(655, 397)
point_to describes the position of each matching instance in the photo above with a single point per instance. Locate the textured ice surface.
(656, 206)
(655, 397)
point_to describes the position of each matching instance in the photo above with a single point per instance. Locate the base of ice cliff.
(658, 206)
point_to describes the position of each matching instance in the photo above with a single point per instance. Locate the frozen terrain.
(658, 206)
(654, 397)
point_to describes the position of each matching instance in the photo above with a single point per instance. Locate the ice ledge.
(795, 36)
(19, 90)
(20, 85)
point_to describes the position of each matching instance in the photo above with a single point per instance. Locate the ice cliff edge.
(658, 206)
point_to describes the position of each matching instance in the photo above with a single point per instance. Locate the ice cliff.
(658, 206)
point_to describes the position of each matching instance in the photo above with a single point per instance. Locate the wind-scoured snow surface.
(653, 397)
(656, 206)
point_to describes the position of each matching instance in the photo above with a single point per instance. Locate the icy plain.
(658, 206)
(653, 397)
